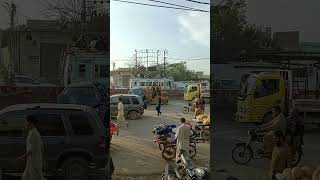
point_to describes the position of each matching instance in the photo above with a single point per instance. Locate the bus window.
(142, 83)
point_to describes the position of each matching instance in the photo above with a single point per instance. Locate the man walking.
(34, 154)
(158, 108)
(121, 121)
(183, 138)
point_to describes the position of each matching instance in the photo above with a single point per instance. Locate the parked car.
(27, 81)
(133, 105)
(74, 139)
(86, 93)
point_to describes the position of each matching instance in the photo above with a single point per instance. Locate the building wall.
(38, 50)
(121, 78)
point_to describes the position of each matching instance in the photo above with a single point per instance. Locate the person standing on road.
(34, 154)
(203, 104)
(121, 121)
(281, 155)
(158, 108)
(183, 138)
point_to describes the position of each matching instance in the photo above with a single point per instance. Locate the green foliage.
(180, 72)
(232, 35)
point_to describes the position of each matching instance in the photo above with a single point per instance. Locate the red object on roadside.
(113, 128)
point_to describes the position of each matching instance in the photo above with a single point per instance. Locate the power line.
(175, 5)
(199, 2)
(130, 2)
(188, 59)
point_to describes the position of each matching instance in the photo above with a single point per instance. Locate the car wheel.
(75, 168)
(133, 115)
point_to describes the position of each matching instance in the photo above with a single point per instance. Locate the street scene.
(266, 92)
(136, 153)
(159, 87)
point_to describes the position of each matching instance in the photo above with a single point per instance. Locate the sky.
(184, 34)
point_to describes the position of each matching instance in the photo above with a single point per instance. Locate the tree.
(232, 35)
(69, 15)
(180, 72)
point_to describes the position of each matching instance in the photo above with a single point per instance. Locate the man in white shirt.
(183, 138)
(121, 121)
(34, 154)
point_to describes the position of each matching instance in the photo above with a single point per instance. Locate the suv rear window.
(50, 124)
(125, 100)
(80, 124)
(135, 100)
(82, 95)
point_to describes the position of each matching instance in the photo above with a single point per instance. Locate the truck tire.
(75, 168)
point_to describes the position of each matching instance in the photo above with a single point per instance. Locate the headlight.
(200, 172)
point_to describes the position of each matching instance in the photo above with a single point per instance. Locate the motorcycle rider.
(278, 123)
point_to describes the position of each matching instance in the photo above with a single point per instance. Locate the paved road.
(135, 153)
(226, 131)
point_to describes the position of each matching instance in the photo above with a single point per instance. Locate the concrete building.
(37, 50)
(121, 77)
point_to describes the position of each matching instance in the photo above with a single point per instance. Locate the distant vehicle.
(191, 91)
(164, 83)
(27, 81)
(92, 94)
(133, 105)
(73, 136)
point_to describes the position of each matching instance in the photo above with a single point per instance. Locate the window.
(50, 124)
(12, 124)
(149, 83)
(80, 124)
(267, 87)
(125, 100)
(135, 100)
(114, 100)
(82, 70)
(143, 83)
(103, 71)
(135, 83)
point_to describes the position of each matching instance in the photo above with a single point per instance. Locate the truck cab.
(191, 91)
(260, 92)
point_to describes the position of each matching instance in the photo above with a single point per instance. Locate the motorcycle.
(164, 135)
(189, 172)
(188, 108)
(243, 152)
(171, 172)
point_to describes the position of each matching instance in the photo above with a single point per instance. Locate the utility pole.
(147, 59)
(84, 15)
(164, 62)
(157, 57)
(136, 59)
